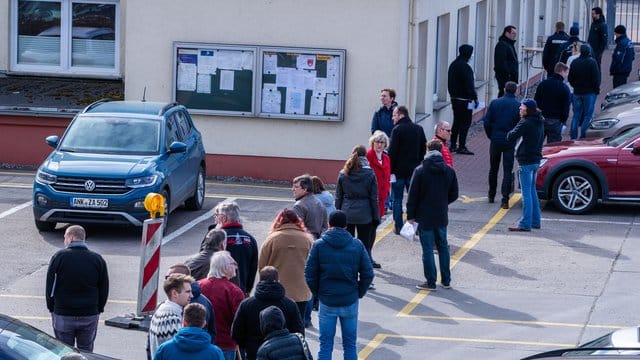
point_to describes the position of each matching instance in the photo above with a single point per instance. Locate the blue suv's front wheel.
(45, 225)
(195, 202)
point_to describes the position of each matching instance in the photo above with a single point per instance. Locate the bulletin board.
(301, 83)
(215, 78)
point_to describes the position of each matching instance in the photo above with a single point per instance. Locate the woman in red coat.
(381, 165)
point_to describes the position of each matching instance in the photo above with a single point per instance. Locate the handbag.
(305, 347)
(408, 230)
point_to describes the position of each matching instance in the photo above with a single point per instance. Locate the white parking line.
(15, 209)
(593, 221)
(188, 226)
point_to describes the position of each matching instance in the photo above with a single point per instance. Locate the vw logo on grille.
(89, 185)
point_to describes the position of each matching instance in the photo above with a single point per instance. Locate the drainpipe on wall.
(409, 71)
(490, 49)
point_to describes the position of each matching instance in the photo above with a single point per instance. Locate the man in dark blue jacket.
(462, 91)
(622, 57)
(433, 187)
(554, 99)
(598, 34)
(551, 52)
(338, 272)
(584, 77)
(501, 117)
(505, 58)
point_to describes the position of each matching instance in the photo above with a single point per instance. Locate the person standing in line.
(529, 153)
(407, 148)
(381, 166)
(279, 342)
(225, 297)
(191, 341)
(598, 34)
(554, 99)
(552, 48)
(357, 197)
(167, 319)
(338, 272)
(76, 292)
(382, 117)
(506, 58)
(286, 248)
(501, 117)
(269, 292)
(321, 193)
(462, 90)
(198, 264)
(433, 187)
(240, 244)
(584, 77)
(308, 208)
(622, 57)
(442, 131)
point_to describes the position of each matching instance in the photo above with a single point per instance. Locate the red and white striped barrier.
(149, 265)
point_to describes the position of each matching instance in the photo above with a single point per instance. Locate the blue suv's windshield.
(112, 135)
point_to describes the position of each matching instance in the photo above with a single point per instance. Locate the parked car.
(20, 341)
(576, 174)
(111, 156)
(619, 344)
(621, 95)
(615, 120)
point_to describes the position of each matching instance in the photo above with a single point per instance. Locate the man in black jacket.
(551, 52)
(433, 187)
(268, 292)
(462, 91)
(502, 116)
(598, 34)
(76, 290)
(506, 58)
(554, 99)
(406, 151)
(584, 77)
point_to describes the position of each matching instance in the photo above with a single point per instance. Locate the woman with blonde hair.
(381, 165)
(357, 197)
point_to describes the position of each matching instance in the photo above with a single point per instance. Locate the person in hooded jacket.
(192, 341)
(506, 58)
(280, 343)
(434, 186)
(622, 57)
(584, 77)
(269, 292)
(357, 196)
(462, 90)
(598, 34)
(529, 153)
(338, 272)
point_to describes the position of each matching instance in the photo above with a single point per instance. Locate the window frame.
(65, 68)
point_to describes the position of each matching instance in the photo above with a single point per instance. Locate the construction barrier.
(152, 230)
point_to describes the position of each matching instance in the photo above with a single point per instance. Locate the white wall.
(4, 35)
(369, 35)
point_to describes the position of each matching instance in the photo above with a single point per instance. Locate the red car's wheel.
(575, 192)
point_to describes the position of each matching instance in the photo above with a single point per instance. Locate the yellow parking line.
(38, 297)
(520, 322)
(16, 185)
(371, 346)
(420, 296)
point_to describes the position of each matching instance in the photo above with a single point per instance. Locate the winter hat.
(620, 29)
(574, 30)
(338, 219)
(530, 104)
(465, 51)
(271, 319)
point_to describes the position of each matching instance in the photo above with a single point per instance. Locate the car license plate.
(89, 203)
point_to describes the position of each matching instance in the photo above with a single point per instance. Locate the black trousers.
(363, 233)
(501, 83)
(461, 123)
(552, 130)
(619, 80)
(506, 153)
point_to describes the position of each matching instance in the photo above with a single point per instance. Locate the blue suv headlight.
(141, 182)
(45, 178)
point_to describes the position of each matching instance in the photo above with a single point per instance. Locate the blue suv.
(111, 156)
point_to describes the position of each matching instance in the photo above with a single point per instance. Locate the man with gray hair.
(442, 133)
(240, 244)
(215, 240)
(77, 288)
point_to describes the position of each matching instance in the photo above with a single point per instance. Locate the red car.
(575, 174)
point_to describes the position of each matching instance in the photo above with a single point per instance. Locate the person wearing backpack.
(622, 57)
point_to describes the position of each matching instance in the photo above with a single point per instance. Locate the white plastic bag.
(408, 230)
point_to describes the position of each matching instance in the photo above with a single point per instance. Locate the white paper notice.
(204, 83)
(306, 62)
(229, 60)
(187, 77)
(271, 100)
(332, 104)
(310, 80)
(227, 80)
(283, 77)
(320, 87)
(297, 79)
(247, 60)
(207, 62)
(295, 102)
(317, 105)
(269, 64)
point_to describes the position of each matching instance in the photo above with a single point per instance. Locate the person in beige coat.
(286, 248)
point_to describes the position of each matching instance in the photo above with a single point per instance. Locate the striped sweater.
(165, 323)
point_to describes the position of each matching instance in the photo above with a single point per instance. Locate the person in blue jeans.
(433, 187)
(529, 153)
(584, 77)
(338, 272)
